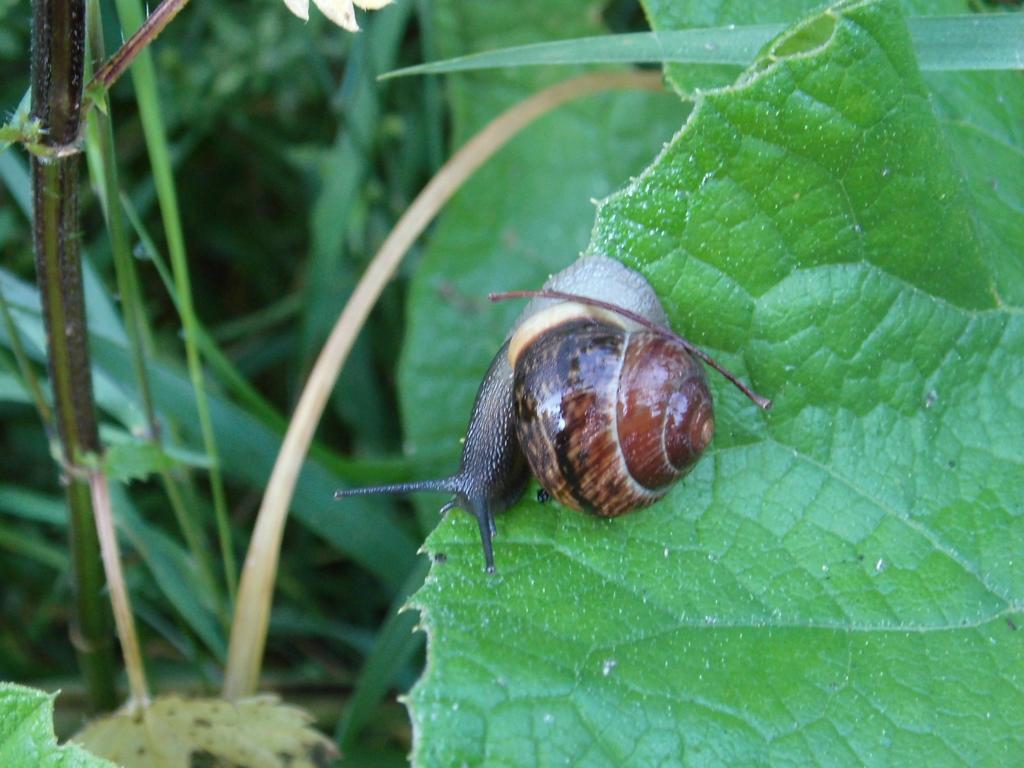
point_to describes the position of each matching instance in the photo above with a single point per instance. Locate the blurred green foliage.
(292, 163)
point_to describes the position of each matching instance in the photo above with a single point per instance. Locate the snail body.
(592, 393)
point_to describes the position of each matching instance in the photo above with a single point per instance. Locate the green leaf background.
(839, 581)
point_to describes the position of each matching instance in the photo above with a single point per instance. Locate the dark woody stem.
(154, 24)
(58, 54)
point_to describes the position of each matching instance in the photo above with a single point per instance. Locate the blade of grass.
(32, 547)
(144, 79)
(103, 164)
(12, 389)
(170, 565)
(974, 41)
(396, 643)
(15, 178)
(434, 107)
(226, 373)
(371, 536)
(333, 264)
(174, 573)
(30, 505)
(968, 42)
(101, 158)
(255, 323)
(374, 539)
(290, 620)
(150, 616)
(370, 471)
(108, 392)
(707, 45)
(28, 374)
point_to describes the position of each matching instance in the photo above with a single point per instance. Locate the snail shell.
(608, 414)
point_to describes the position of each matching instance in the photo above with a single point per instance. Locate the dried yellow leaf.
(174, 732)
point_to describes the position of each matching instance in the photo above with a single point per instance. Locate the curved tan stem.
(252, 612)
(124, 619)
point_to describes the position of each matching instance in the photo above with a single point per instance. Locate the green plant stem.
(58, 55)
(100, 150)
(101, 129)
(144, 79)
(90, 628)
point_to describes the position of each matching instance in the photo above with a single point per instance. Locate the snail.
(591, 392)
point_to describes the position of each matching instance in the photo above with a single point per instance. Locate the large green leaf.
(838, 582)
(981, 118)
(26, 733)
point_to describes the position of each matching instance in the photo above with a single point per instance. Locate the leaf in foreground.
(174, 732)
(26, 733)
(838, 582)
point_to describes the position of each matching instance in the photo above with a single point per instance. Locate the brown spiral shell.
(608, 417)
